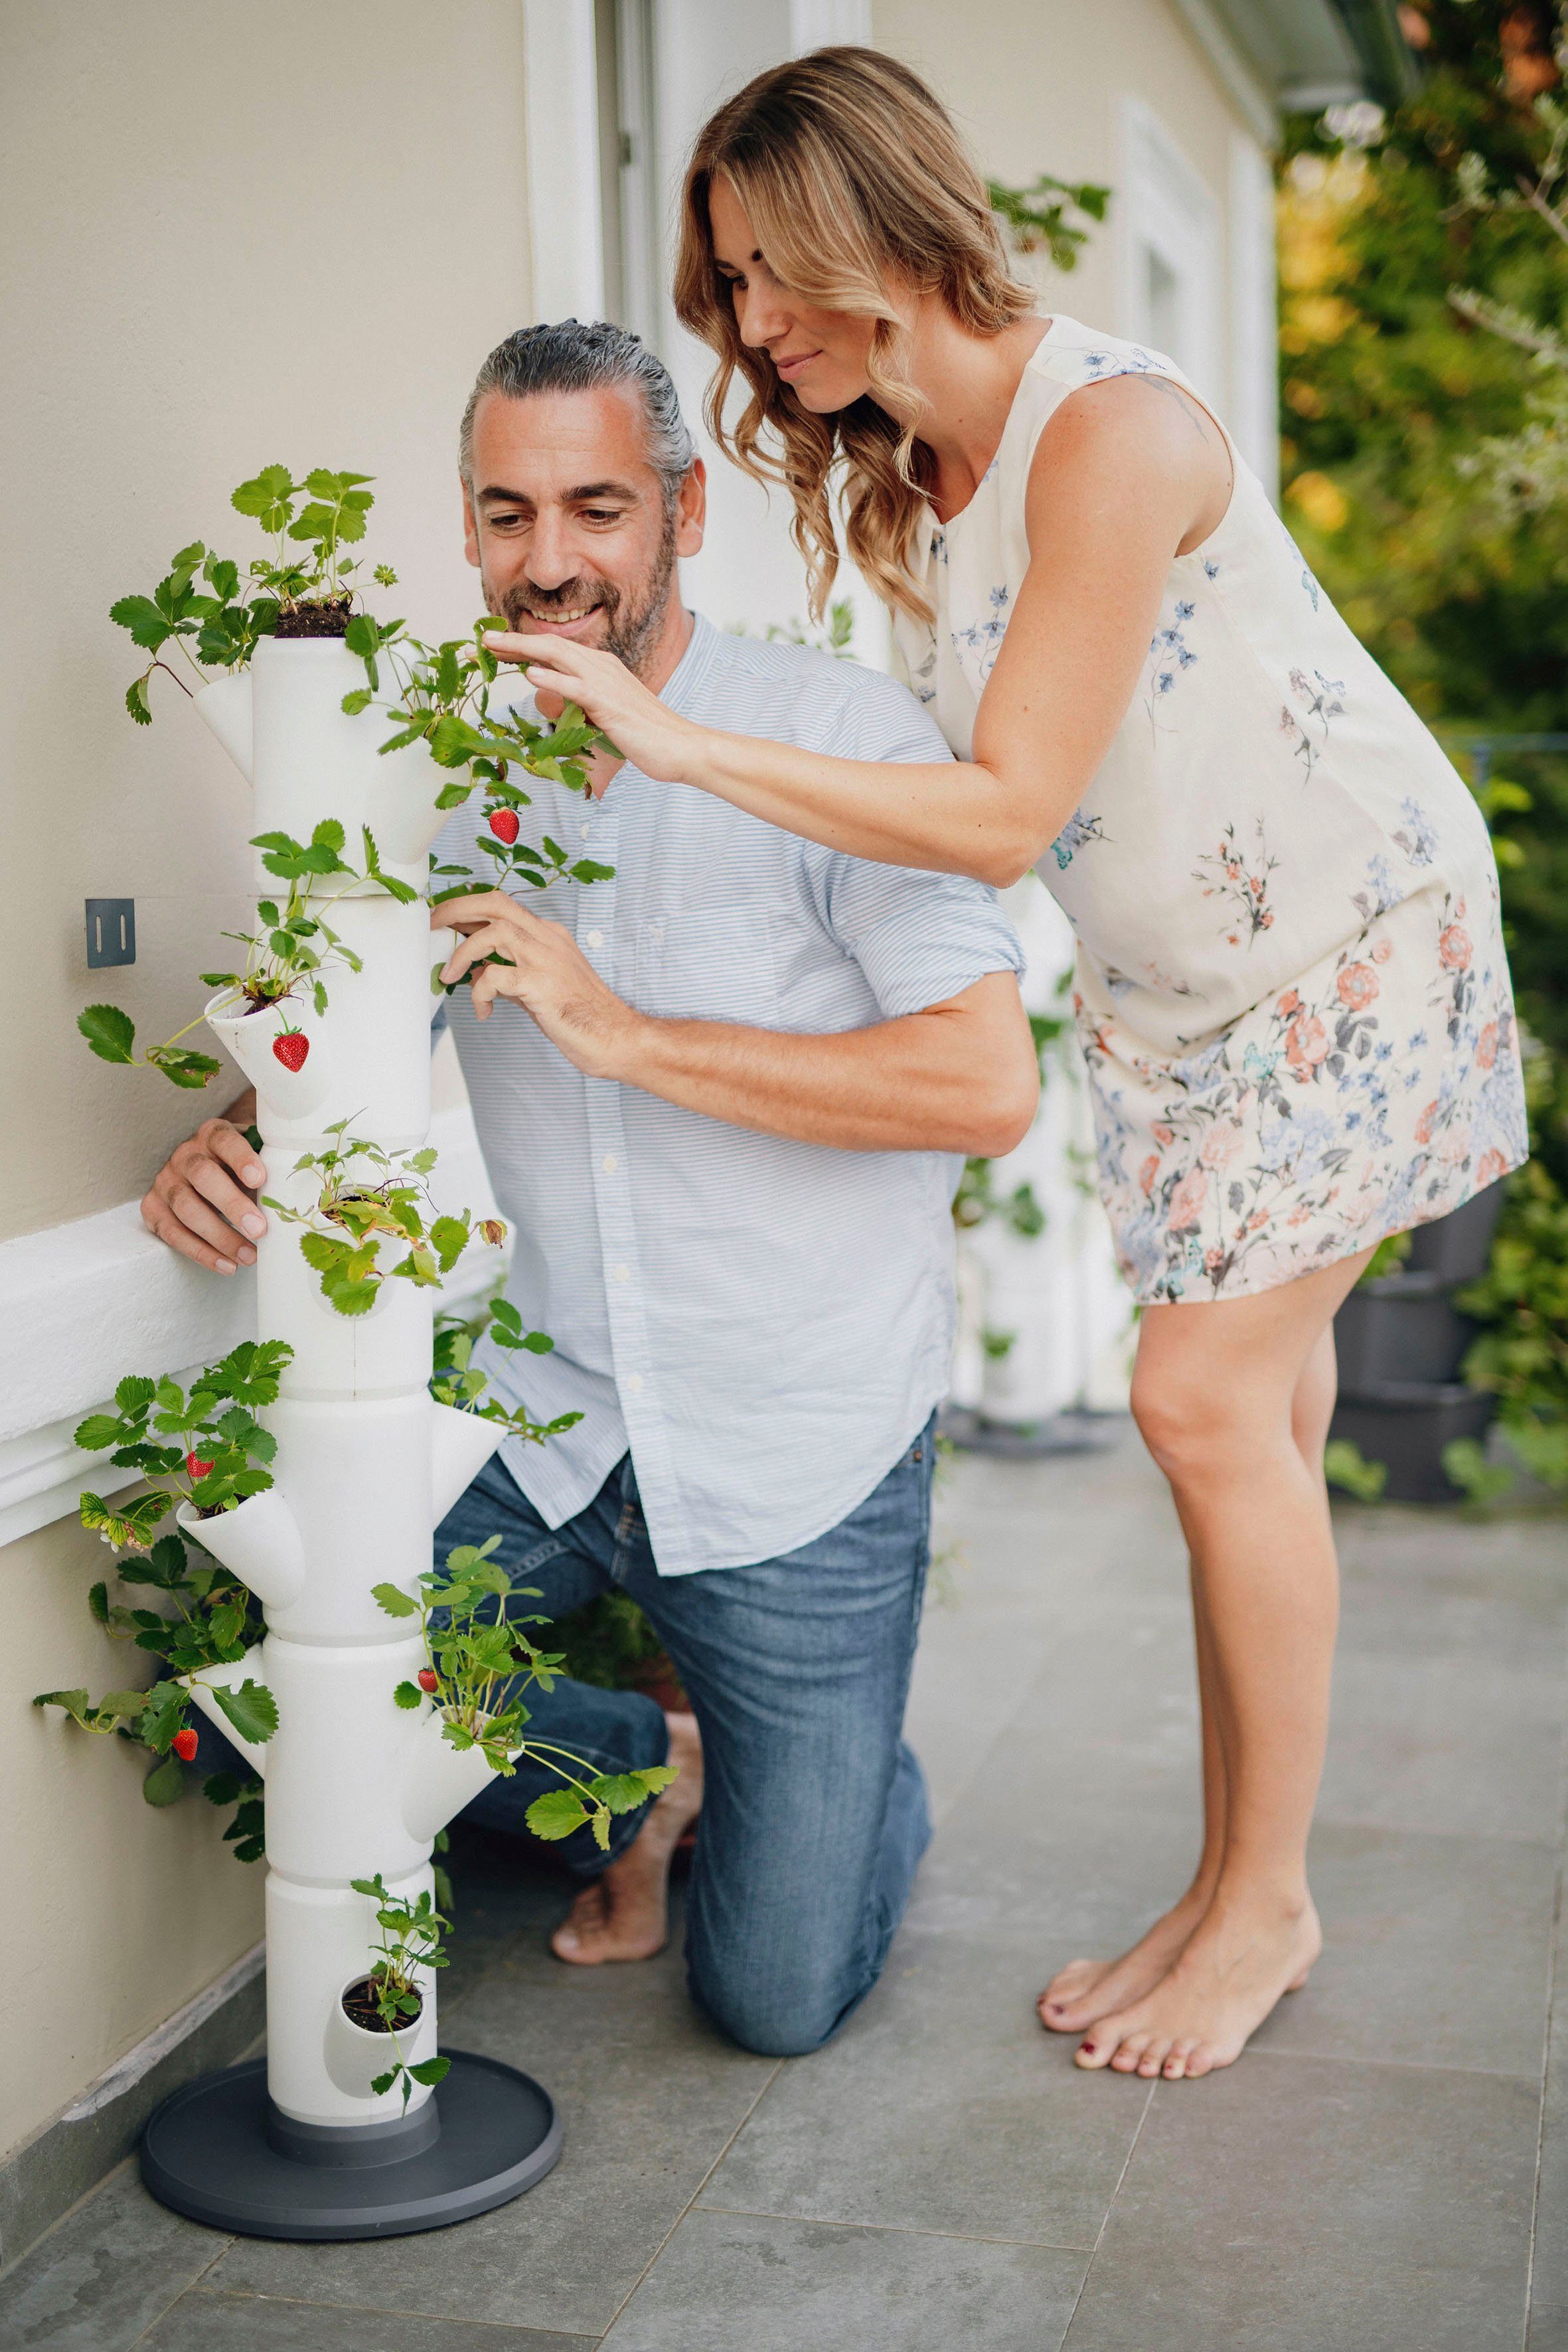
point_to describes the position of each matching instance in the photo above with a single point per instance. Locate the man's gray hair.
(573, 357)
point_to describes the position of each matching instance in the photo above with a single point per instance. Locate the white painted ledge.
(83, 1304)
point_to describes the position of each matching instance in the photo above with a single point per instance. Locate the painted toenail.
(1086, 2049)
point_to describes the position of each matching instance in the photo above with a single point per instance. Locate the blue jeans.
(814, 1813)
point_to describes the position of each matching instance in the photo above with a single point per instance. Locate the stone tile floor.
(1385, 2171)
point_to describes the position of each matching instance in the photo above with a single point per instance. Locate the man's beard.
(633, 618)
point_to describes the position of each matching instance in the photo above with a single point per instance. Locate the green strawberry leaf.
(252, 1709)
(556, 1814)
(110, 1032)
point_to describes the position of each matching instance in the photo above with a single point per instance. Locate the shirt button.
(621, 1273)
(634, 1382)
(609, 1163)
(595, 939)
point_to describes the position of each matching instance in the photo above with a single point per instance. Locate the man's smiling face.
(570, 525)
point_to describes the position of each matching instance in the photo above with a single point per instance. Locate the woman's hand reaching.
(642, 728)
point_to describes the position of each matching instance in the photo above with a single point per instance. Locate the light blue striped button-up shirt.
(765, 1324)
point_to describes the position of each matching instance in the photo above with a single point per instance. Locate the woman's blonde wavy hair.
(851, 174)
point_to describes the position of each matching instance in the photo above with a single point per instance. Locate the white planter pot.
(319, 1940)
(254, 1667)
(439, 1780)
(357, 1479)
(357, 2057)
(385, 1353)
(257, 1541)
(312, 760)
(226, 707)
(335, 1783)
(461, 1443)
(291, 1097)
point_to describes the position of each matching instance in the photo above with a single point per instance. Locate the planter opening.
(329, 617)
(361, 2008)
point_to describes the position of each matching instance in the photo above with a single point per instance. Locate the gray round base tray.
(208, 2151)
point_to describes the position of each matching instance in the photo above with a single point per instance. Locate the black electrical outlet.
(110, 932)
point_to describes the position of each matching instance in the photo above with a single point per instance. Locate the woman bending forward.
(1291, 987)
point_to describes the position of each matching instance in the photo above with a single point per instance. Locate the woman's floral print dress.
(1291, 987)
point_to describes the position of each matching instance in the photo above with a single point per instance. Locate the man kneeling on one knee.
(723, 1099)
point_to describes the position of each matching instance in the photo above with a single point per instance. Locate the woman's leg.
(1086, 1990)
(1233, 1399)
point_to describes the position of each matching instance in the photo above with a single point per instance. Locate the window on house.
(1171, 251)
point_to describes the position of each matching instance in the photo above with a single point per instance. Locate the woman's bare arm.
(1128, 474)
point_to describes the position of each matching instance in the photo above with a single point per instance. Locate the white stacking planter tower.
(299, 2145)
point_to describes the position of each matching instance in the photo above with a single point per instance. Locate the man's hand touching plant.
(644, 729)
(543, 970)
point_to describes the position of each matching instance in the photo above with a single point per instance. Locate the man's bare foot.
(1086, 1990)
(624, 1914)
(1233, 1969)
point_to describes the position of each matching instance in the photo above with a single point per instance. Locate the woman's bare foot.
(1233, 1969)
(1086, 1990)
(624, 1914)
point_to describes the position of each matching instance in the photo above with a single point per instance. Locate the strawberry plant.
(294, 948)
(209, 1619)
(458, 1382)
(367, 1197)
(214, 1452)
(213, 1455)
(483, 1662)
(303, 587)
(388, 1998)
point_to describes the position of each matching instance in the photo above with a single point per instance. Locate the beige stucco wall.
(225, 237)
(1038, 85)
(119, 1912)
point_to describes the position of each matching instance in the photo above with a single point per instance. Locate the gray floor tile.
(1445, 1743)
(1413, 1966)
(942, 2106)
(1549, 2268)
(204, 2321)
(104, 2274)
(1305, 2205)
(1419, 1585)
(744, 2282)
(648, 2097)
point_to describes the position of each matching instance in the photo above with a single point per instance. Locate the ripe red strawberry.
(504, 825)
(196, 1466)
(292, 1048)
(427, 1680)
(186, 1745)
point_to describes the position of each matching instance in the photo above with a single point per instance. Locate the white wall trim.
(82, 1305)
(1167, 208)
(1254, 414)
(562, 125)
(1242, 85)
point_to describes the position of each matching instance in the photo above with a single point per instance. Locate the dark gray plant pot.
(1400, 1328)
(1455, 1248)
(1405, 1425)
